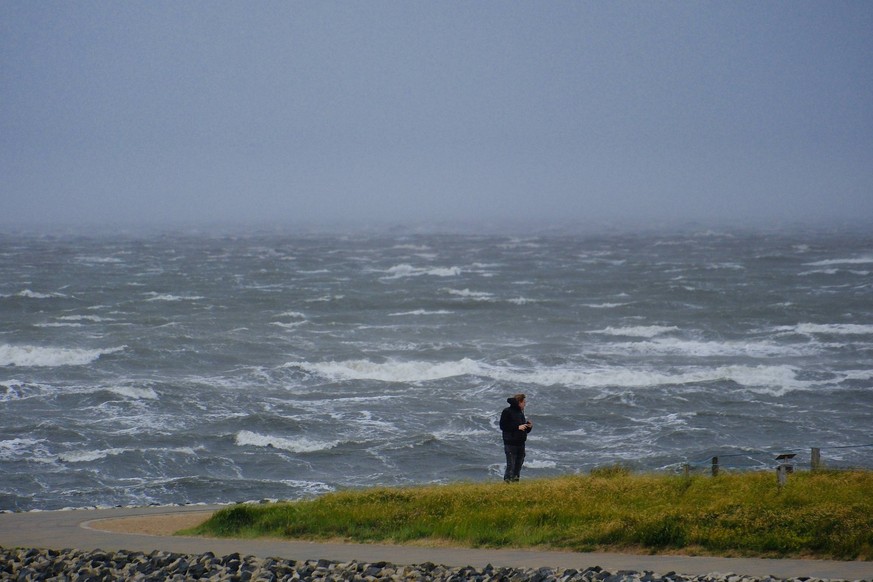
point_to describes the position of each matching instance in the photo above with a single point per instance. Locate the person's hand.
(522, 427)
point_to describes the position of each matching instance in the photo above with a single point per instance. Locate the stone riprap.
(22, 565)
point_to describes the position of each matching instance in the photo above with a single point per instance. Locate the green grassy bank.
(827, 514)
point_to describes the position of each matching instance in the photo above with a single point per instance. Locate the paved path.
(86, 529)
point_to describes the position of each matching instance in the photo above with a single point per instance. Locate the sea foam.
(405, 270)
(638, 331)
(295, 445)
(392, 370)
(28, 294)
(776, 379)
(829, 328)
(35, 356)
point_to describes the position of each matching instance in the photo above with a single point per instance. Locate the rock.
(75, 566)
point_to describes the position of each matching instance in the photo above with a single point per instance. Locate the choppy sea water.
(186, 368)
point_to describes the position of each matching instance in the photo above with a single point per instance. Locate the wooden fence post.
(815, 459)
(781, 475)
(715, 466)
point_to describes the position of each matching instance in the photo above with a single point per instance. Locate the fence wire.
(770, 455)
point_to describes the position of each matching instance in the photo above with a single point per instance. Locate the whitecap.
(858, 375)
(703, 349)
(450, 434)
(89, 456)
(467, 294)
(295, 445)
(411, 247)
(637, 331)
(819, 272)
(27, 293)
(537, 464)
(309, 487)
(170, 297)
(14, 448)
(392, 370)
(781, 377)
(522, 301)
(135, 392)
(829, 328)
(406, 270)
(325, 299)
(420, 312)
(91, 318)
(290, 325)
(35, 356)
(295, 314)
(98, 260)
(852, 261)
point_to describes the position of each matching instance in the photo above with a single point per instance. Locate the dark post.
(715, 466)
(686, 470)
(815, 461)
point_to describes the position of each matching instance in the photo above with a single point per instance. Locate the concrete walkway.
(87, 530)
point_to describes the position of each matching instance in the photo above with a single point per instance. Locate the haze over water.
(186, 368)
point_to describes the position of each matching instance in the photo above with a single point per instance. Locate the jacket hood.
(512, 402)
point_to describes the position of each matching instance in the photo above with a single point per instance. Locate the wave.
(391, 371)
(489, 297)
(849, 375)
(96, 455)
(522, 301)
(466, 293)
(326, 299)
(34, 356)
(295, 314)
(406, 270)
(768, 378)
(98, 260)
(296, 445)
(91, 318)
(17, 447)
(169, 297)
(638, 331)
(89, 456)
(819, 272)
(773, 379)
(28, 294)
(535, 464)
(828, 329)
(75, 321)
(292, 325)
(134, 392)
(420, 312)
(853, 261)
(704, 349)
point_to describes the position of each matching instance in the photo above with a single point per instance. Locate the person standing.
(515, 427)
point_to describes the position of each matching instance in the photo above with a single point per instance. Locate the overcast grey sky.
(408, 111)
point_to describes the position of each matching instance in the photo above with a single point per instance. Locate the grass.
(826, 514)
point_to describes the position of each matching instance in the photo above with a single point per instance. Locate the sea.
(195, 366)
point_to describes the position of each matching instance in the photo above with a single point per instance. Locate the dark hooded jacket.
(510, 419)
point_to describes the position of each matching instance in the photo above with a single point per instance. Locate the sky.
(435, 112)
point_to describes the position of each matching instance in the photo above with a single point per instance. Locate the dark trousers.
(514, 459)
